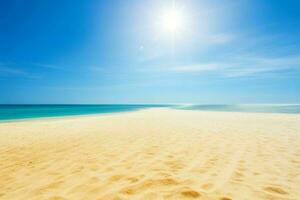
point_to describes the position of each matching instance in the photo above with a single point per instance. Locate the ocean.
(17, 112)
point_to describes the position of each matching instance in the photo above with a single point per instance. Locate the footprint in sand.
(133, 179)
(190, 194)
(149, 184)
(238, 176)
(225, 198)
(51, 186)
(128, 191)
(93, 179)
(207, 186)
(116, 177)
(174, 165)
(277, 190)
(256, 173)
(57, 198)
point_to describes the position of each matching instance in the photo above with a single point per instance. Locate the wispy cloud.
(5, 70)
(10, 71)
(49, 66)
(218, 39)
(258, 65)
(196, 67)
(111, 71)
(99, 69)
(241, 66)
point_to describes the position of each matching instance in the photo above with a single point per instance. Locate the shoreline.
(121, 112)
(69, 116)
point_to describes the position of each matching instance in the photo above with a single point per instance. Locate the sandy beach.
(152, 154)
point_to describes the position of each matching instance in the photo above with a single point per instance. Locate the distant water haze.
(261, 108)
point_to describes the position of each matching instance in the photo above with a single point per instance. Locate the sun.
(172, 21)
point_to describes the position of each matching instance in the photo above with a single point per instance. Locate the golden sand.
(152, 154)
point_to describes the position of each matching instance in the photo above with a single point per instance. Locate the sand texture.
(152, 154)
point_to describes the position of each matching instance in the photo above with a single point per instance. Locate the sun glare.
(172, 21)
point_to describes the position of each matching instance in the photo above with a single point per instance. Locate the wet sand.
(152, 154)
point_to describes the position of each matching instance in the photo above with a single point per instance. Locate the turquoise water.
(259, 108)
(14, 112)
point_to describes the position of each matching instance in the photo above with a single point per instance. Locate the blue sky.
(117, 51)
